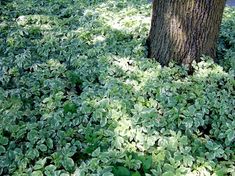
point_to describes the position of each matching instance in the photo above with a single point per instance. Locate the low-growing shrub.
(78, 95)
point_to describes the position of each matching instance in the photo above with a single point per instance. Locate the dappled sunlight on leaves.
(78, 96)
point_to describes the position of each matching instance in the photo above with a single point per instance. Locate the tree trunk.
(184, 30)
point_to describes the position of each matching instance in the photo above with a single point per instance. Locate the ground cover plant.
(79, 97)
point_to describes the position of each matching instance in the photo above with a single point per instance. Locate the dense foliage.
(78, 95)
(226, 48)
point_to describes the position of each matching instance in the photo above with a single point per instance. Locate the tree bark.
(184, 30)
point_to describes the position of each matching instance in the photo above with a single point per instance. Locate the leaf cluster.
(78, 95)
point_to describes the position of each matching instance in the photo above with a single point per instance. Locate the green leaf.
(42, 147)
(64, 174)
(168, 167)
(147, 162)
(121, 171)
(188, 160)
(160, 156)
(2, 149)
(49, 143)
(40, 164)
(74, 77)
(184, 140)
(96, 152)
(68, 164)
(221, 172)
(49, 170)
(3, 140)
(32, 136)
(168, 173)
(135, 174)
(210, 145)
(107, 174)
(37, 173)
(70, 107)
(103, 121)
(32, 153)
(231, 135)
(50, 167)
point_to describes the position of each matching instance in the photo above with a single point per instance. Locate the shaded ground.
(77, 94)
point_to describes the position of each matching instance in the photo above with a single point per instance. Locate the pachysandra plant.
(79, 96)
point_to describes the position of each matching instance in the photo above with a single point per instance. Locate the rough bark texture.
(184, 30)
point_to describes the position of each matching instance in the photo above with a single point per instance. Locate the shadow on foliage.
(78, 95)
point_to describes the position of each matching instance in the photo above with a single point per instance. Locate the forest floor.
(78, 95)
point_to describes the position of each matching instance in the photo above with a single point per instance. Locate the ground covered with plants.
(79, 97)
